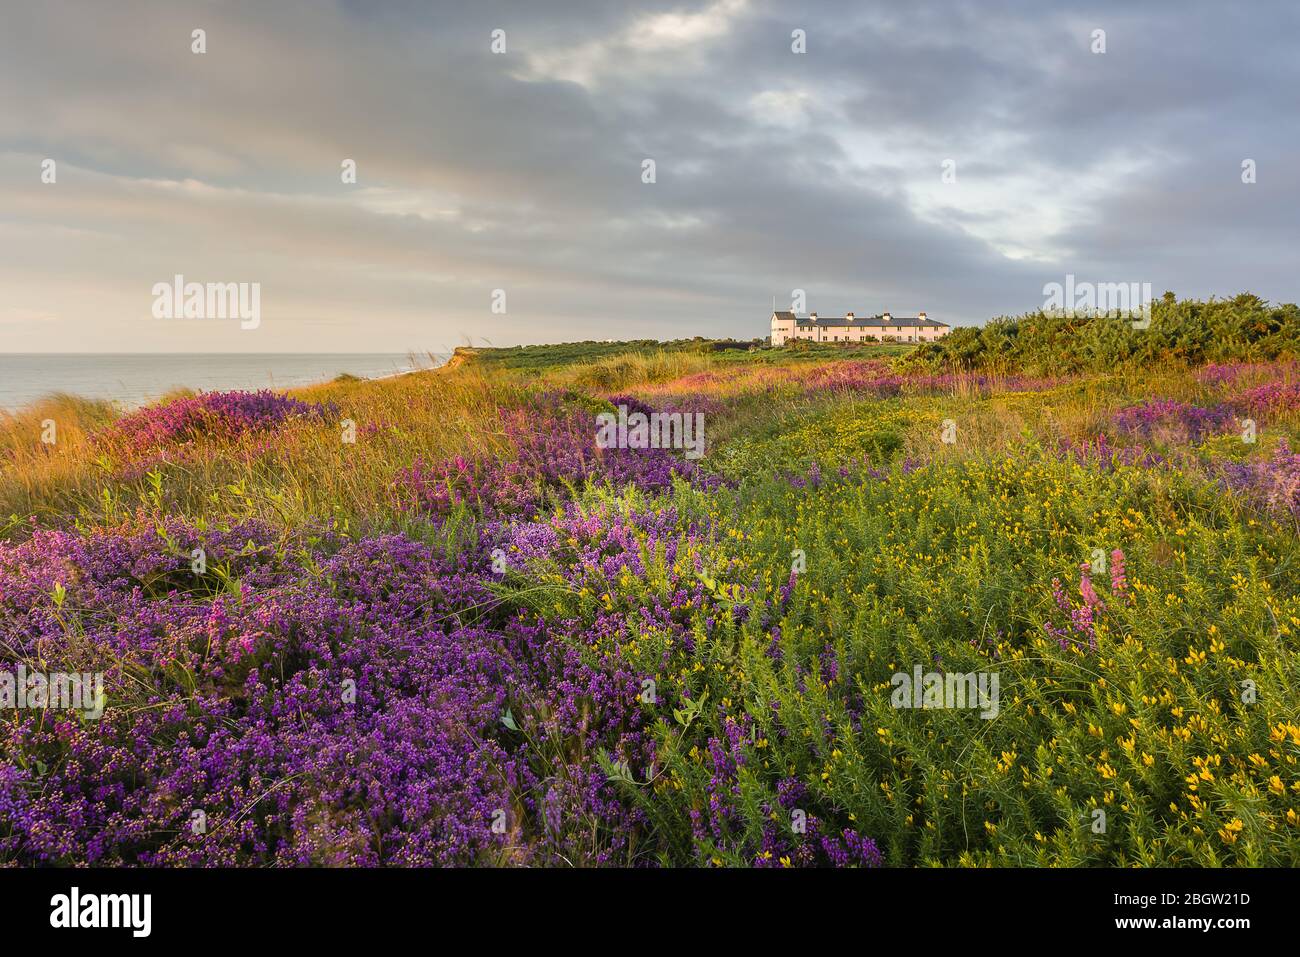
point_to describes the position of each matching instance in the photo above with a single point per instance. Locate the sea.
(135, 379)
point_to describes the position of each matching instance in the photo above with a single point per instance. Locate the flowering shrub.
(1229, 373)
(1080, 627)
(1271, 398)
(389, 708)
(209, 415)
(349, 716)
(1216, 373)
(550, 448)
(1171, 421)
(616, 667)
(1272, 483)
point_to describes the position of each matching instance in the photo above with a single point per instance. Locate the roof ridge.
(876, 320)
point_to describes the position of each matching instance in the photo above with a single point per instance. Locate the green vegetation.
(689, 663)
(1242, 329)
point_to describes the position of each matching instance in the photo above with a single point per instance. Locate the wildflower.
(1118, 583)
(1172, 421)
(1228, 833)
(1090, 596)
(219, 416)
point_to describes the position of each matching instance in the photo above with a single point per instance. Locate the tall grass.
(307, 472)
(772, 672)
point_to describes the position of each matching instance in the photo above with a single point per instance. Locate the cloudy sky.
(522, 170)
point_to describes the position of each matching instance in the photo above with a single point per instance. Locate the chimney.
(812, 316)
(848, 316)
(885, 317)
(921, 316)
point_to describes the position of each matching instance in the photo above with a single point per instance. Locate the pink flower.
(1090, 596)
(1118, 582)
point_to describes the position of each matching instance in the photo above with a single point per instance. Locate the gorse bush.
(936, 614)
(1187, 331)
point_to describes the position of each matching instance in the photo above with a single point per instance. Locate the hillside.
(429, 620)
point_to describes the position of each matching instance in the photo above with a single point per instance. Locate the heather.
(471, 636)
(1271, 483)
(1168, 420)
(209, 415)
(1270, 399)
(364, 696)
(549, 452)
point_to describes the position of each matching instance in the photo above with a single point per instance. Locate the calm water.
(135, 379)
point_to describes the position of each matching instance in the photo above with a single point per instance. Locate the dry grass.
(306, 471)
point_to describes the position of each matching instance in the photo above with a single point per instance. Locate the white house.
(786, 326)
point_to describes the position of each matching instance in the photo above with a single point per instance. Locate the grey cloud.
(480, 171)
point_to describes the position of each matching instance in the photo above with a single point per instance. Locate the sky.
(946, 157)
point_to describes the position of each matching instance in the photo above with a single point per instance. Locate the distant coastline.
(134, 379)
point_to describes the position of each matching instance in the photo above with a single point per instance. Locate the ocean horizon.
(135, 379)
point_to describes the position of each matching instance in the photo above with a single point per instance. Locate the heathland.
(430, 620)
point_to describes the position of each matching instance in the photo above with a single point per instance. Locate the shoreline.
(84, 380)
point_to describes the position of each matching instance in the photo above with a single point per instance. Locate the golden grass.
(629, 369)
(306, 471)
